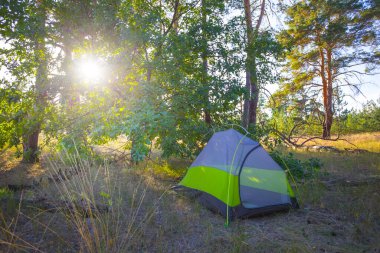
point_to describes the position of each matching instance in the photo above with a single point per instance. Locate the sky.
(370, 90)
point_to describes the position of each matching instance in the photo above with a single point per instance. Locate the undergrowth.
(309, 168)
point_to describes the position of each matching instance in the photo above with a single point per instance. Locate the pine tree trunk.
(328, 118)
(31, 135)
(329, 112)
(327, 91)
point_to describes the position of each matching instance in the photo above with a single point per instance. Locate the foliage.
(5, 193)
(173, 72)
(297, 118)
(326, 41)
(298, 169)
(25, 58)
(161, 98)
(359, 121)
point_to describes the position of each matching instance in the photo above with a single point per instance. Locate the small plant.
(297, 168)
(5, 193)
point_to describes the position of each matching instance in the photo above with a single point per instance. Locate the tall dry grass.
(95, 202)
(10, 241)
(367, 141)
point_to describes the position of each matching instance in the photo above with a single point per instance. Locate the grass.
(144, 215)
(107, 213)
(366, 141)
(349, 165)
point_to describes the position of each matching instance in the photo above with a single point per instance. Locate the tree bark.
(253, 103)
(326, 70)
(176, 16)
(30, 146)
(31, 135)
(251, 83)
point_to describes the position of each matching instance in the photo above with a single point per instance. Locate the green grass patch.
(168, 170)
(5, 193)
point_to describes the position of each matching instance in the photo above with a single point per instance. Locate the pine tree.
(326, 40)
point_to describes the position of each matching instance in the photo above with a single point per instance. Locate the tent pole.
(229, 181)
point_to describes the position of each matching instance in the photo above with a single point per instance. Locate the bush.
(297, 168)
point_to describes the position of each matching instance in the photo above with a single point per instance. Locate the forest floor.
(66, 205)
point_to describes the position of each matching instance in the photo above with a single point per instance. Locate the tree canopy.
(169, 73)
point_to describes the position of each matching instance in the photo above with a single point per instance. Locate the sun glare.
(90, 70)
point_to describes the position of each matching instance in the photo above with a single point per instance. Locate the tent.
(237, 178)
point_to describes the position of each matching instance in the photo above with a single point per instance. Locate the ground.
(339, 209)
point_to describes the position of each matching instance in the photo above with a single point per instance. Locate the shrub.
(297, 168)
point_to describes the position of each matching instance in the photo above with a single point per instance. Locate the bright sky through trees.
(90, 70)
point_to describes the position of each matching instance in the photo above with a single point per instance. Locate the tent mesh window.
(262, 182)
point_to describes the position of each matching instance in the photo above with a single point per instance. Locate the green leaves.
(174, 69)
(296, 168)
(322, 52)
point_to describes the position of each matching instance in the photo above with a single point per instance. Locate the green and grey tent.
(236, 177)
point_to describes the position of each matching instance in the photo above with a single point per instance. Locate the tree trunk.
(176, 16)
(327, 92)
(251, 83)
(206, 109)
(30, 137)
(329, 115)
(254, 101)
(327, 123)
(30, 146)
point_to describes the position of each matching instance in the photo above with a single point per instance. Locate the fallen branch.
(320, 138)
(289, 140)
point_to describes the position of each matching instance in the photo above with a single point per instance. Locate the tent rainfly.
(237, 178)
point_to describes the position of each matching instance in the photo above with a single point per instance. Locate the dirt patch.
(16, 174)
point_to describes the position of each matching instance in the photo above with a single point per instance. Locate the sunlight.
(90, 70)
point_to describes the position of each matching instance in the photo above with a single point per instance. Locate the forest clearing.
(189, 126)
(339, 208)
